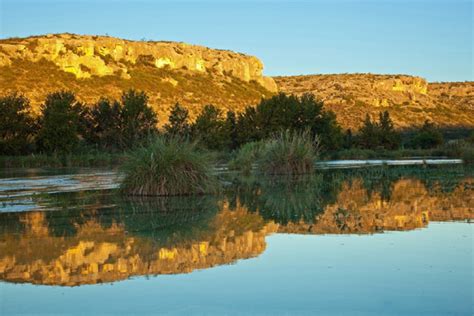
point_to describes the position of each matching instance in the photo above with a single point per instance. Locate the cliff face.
(410, 100)
(95, 66)
(170, 72)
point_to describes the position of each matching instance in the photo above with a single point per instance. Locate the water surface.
(380, 241)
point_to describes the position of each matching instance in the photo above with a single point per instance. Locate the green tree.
(102, 124)
(368, 134)
(178, 122)
(138, 121)
(59, 123)
(348, 141)
(289, 112)
(231, 130)
(247, 128)
(388, 137)
(373, 135)
(209, 128)
(16, 124)
(428, 136)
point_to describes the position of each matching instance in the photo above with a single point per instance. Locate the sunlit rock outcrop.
(104, 66)
(410, 100)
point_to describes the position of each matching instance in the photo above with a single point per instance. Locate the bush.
(178, 122)
(101, 124)
(468, 154)
(379, 135)
(289, 153)
(290, 112)
(59, 123)
(427, 137)
(168, 166)
(138, 120)
(16, 125)
(209, 128)
(246, 156)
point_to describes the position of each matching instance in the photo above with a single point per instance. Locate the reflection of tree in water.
(295, 199)
(286, 199)
(280, 199)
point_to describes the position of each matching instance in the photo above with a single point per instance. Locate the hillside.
(95, 66)
(170, 72)
(410, 100)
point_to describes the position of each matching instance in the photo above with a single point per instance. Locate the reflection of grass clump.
(168, 167)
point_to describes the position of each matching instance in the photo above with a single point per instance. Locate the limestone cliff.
(95, 66)
(410, 100)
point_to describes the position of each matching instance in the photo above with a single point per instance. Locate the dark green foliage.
(283, 112)
(59, 131)
(209, 128)
(388, 137)
(178, 124)
(368, 135)
(348, 141)
(289, 153)
(231, 130)
(101, 124)
(381, 135)
(16, 125)
(138, 121)
(168, 166)
(427, 137)
(248, 129)
(247, 155)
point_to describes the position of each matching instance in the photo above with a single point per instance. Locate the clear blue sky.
(432, 39)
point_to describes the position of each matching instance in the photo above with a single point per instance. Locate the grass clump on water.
(246, 157)
(289, 153)
(286, 153)
(169, 166)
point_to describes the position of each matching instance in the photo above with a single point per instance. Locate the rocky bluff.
(95, 66)
(410, 100)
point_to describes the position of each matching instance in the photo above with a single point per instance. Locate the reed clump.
(169, 166)
(289, 153)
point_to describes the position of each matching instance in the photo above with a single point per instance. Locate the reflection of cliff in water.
(99, 252)
(103, 238)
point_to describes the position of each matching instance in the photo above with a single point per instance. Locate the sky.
(428, 38)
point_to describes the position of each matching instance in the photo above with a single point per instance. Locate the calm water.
(377, 241)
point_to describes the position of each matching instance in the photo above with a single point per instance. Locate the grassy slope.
(352, 96)
(194, 91)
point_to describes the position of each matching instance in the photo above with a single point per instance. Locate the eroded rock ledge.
(86, 56)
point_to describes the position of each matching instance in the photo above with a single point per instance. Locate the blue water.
(421, 272)
(420, 267)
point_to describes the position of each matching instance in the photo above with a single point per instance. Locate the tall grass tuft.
(289, 153)
(247, 156)
(168, 166)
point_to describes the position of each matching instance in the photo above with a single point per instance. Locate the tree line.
(65, 125)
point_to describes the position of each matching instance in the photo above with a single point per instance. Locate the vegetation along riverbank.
(68, 133)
